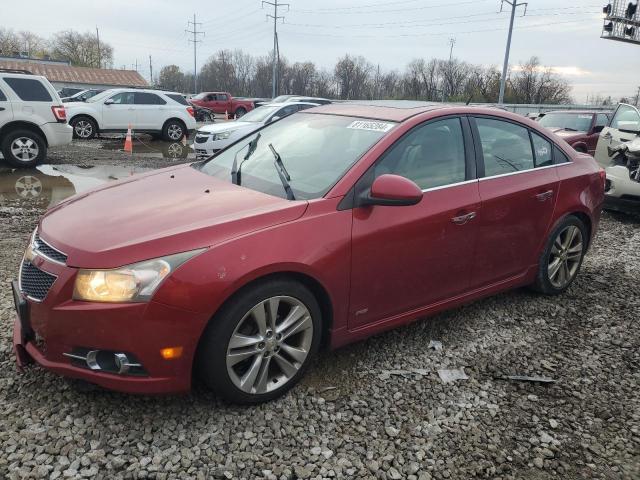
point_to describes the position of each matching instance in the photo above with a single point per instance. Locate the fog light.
(170, 353)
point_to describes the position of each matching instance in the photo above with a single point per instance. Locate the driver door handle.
(544, 196)
(462, 219)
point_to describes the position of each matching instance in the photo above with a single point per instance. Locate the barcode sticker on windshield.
(369, 125)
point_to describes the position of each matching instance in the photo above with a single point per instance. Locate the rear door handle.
(1, 109)
(462, 219)
(544, 196)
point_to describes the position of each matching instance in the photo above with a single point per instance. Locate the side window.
(431, 155)
(602, 120)
(542, 150)
(28, 89)
(124, 98)
(559, 156)
(222, 97)
(626, 118)
(288, 110)
(2, 97)
(211, 97)
(304, 106)
(144, 98)
(506, 147)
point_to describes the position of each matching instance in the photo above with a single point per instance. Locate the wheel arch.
(88, 115)
(22, 125)
(580, 147)
(177, 119)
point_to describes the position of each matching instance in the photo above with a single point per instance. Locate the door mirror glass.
(392, 190)
(109, 101)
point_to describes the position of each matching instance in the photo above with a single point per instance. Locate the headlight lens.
(220, 136)
(132, 283)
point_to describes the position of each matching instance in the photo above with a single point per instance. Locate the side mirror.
(274, 118)
(598, 128)
(108, 101)
(391, 190)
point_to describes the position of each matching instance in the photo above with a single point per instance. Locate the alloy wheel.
(269, 345)
(565, 257)
(24, 149)
(83, 128)
(174, 132)
(28, 186)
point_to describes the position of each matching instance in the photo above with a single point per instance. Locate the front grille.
(47, 250)
(35, 283)
(201, 138)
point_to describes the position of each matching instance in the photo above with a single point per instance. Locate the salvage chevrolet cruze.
(319, 229)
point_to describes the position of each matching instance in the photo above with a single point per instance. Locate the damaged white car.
(618, 152)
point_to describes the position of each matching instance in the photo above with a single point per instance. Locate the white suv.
(157, 112)
(32, 118)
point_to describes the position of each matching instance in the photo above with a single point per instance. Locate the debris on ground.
(435, 345)
(451, 375)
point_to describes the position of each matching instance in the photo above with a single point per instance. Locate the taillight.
(191, 111)
(60, 113)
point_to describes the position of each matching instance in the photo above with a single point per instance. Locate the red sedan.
(319, 229)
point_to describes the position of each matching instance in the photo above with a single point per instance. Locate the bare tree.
(171, 77)
(81, 49)
(9, 43)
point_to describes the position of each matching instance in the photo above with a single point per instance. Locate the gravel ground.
(376, 409)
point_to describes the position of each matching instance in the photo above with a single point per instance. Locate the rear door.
(624, 127)
(120, 114)
(518, 189)
(409, 257)
(150, 109)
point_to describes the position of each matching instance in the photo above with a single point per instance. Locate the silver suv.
(32, 118)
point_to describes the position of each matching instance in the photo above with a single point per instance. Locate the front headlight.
(220, 136)
(132, 283)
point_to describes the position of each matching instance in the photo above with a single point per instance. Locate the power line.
(503, 80)
(195, 41)
(276, 53)
(426, 7)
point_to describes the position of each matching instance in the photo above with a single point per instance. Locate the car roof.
(390, 110)
(577, 112)
(286, 104)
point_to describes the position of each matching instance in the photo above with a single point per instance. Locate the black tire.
(84, 127)
(211, 359)
(543, 283)
(173, 131)
(580, 149)
(35, 148)
(240, 112)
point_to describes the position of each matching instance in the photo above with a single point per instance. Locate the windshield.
(282, 98)
(100, 96)
(260, 114)
(316, 149)
(573, 121)
(199, 96)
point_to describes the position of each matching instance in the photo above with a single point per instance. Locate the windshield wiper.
(235, 168)
(282, 173)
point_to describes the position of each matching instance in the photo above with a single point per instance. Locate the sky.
(565, 35)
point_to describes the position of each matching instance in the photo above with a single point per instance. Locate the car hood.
(158, 213)
(567, 134)
(227, 127)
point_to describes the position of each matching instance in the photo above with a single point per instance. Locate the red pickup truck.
(221, 102)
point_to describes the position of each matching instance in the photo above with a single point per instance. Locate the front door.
(119, 114)
(518, 196)
(149, 111)
(408, 257)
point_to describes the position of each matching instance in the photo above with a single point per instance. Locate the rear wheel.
(259, 345)
(561, 260)
(240, 112)
(24, 148)
(84, 127)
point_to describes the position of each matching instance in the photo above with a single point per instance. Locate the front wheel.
(240, 112)
(562, 257)
(24, 149)
(173, 131)
(259, 345)
(84, 128)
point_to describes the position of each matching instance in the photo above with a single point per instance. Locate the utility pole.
(195, 42)
(505, 68)
(452, 42)
(150, 70)
(135, 65)
(638, 97)
(99, 54)
(276, 50)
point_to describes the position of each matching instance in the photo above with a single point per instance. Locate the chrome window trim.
(525, 171)
(440, 187)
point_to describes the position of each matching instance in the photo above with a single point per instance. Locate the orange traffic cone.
(128, 144)
(226, 114)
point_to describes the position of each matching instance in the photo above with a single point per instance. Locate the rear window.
(144, 98)
(28, 89)
(2, 97)
(177, 98)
